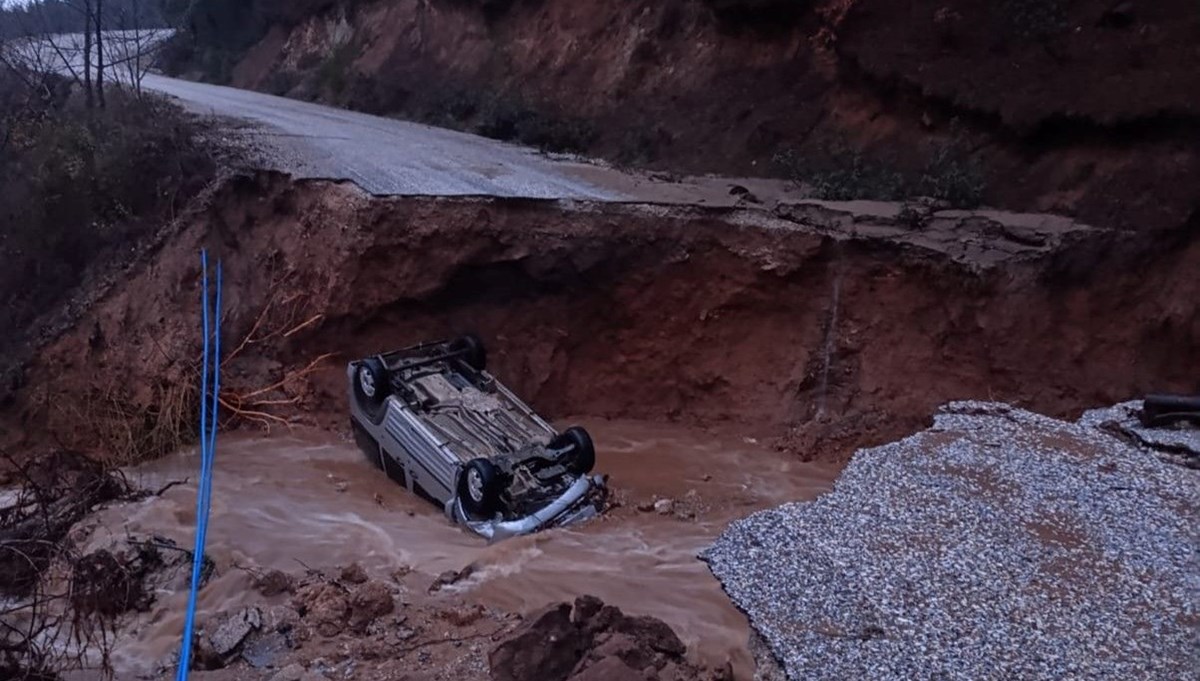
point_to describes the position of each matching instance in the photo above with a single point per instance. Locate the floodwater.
(313, 500)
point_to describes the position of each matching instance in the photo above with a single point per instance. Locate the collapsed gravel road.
(997, 544)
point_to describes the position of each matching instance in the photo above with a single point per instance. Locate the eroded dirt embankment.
(803, 328)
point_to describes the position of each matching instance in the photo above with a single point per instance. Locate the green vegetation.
(333, 73)
(840, 173)
(1033, 19)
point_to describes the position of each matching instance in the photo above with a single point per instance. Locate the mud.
(320, 505)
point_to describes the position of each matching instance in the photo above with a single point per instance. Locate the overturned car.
(436, 421)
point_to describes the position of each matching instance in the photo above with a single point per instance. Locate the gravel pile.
(998, 544)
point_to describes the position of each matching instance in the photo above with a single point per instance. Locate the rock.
(664, 506)
(610, 669)
(450, 577)
(353, 574)
(324, 606)
(464, 615)
(264, 651)
(546, 647)
(586, 608)
(229, 634)
(369, 602)
(653, 632)
(706, 477)
(274, 583)
(592, 641)
(292, 672)
(646, 506)
(341, 486)
(625, 648)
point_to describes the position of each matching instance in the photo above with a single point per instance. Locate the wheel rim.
(367, 382)
(475, 485)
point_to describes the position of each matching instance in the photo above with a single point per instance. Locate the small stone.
(664, 506)
(354, 574)
(645, 506)
(706, 477)
(342, 486)
(274, 583)
(230, 633)
(292, 672)
(368, 603)
(450, 577)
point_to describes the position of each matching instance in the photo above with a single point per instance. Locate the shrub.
(1033, 19)
(333, 73)
(509, 119)
(75, 187)
(839, 173)
(953, 177)
(842, 174)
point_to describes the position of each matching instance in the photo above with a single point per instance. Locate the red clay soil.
(642, 312)
(1087, 108)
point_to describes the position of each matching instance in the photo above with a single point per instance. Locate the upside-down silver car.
(436, 421)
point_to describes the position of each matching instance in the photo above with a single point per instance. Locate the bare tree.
(129, 46)
(98, 23)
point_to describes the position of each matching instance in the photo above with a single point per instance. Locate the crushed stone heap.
(997, 544)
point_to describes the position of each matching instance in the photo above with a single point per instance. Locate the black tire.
(1156, 408)
(473, 352)
(372, 385)
(582, 459)
(479, 489)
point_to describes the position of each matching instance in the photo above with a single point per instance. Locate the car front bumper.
(575, 505)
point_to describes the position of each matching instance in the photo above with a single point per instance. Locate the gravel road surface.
(382, 155)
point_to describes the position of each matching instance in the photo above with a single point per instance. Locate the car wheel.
(583, 455)
(372, 386)
(473, 352)
(479, 489)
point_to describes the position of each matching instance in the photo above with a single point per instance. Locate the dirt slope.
(1087, 108)
(808, 328)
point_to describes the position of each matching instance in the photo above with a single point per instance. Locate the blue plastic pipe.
(208, 447)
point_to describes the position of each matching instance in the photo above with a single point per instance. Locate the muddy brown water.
(312, 499)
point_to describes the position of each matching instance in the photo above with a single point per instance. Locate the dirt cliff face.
(1080, 108)
(806, 329)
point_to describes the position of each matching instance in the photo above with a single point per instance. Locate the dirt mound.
(592, 641)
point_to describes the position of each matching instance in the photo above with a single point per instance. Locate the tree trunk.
(87, 53)
(100, 52)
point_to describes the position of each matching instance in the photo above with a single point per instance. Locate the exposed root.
(254, 405)
(128, 430)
